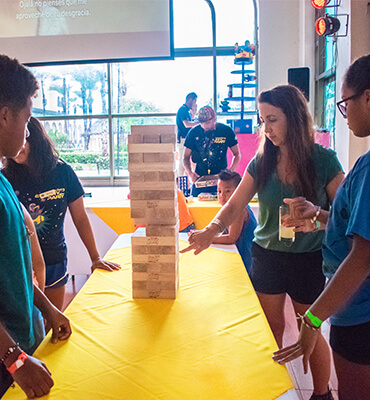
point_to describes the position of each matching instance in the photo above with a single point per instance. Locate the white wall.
(286, 40)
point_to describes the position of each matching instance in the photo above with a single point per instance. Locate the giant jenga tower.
(153, 195)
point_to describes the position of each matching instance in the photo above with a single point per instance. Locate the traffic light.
(320, 3)
(327, 25)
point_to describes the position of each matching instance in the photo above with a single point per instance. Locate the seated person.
(241, 231)
(206, 145)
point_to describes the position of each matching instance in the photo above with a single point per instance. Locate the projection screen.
(66, 31)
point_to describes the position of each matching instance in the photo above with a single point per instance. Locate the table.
(212, 342)
(116, 214)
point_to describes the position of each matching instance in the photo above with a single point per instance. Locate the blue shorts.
(297, 274)
(56, 275)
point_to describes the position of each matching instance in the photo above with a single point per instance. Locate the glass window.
(329, 109)
(234, 22)
(82, 143)
(192, 23)
(71, 90)
(161, 86)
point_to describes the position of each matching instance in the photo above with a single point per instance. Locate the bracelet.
(19, 362)
(316, 321)
(314, 219)
(218, 223)
(9, 352)
(313, 328)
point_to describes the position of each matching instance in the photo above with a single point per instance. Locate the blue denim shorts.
(56, 275)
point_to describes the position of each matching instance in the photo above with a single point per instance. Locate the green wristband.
(314, 320)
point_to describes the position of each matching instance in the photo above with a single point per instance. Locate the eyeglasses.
(342, 106)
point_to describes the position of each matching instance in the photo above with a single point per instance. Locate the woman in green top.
(288, 164)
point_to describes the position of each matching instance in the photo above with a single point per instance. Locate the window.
(88, 109)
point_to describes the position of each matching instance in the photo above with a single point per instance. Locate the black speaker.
(300, 78)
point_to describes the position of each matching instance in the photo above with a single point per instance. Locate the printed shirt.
(209, 149)
(47, 204)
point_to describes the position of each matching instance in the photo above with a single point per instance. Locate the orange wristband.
(19, 362)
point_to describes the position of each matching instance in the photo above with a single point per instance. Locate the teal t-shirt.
(271, 197)
(17, 312)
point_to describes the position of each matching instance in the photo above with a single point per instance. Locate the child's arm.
(58, 322)
(83, 226)
(235, 230)
(38, 263)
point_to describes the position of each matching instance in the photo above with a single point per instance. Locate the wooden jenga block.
(153, 194)
(154, 249)
(160, 129)
(154, 185)
(154, 294)
(155, 204)
(151, 176)
(150, 148)
(154, 240)
(152, 167)
(168, 138)
(165, 157)
(162, 230)
(152, 137)
(154, 276)
(134, 138)
(154, 268)
(135, 157)
(154, 258)
(167, 176)
(137, 176)
(152, 157)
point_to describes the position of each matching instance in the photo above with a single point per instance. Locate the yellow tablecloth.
(117, 214)
(213, 342)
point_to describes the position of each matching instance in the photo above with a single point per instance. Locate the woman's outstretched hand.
(200, 240)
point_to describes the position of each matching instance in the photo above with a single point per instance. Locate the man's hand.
(34, 378)
(194, 177)
(106, 265)
(59, 323)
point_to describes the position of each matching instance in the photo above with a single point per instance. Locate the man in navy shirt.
(185, 121)
(207, 144)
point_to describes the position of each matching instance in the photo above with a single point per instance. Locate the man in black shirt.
(185, 121)
(207, 144)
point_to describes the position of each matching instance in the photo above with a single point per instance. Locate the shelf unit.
(242, 86)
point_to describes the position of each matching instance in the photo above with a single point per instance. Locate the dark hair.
(227, 175)
(357, 76)
(42, 156)
(17, 83)
(191, 96)
(299, 138)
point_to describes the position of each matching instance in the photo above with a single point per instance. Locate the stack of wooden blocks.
(153, 196)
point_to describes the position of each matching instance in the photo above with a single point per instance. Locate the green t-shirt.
(271, 197)
(17, 312)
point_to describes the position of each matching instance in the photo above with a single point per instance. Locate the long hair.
(42, 156)
(357, 76)
(299, 140)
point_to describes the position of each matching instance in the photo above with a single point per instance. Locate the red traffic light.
(320, 3)
(327, 25)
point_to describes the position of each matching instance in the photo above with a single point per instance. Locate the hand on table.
(34, 378)
(194, 177)
(106, 265)
(199, 240)
(304, 346)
